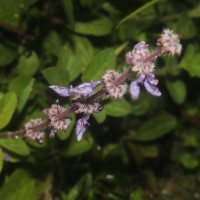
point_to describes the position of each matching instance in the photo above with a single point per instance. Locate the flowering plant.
(86, 101)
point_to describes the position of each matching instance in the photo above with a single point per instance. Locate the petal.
(81, 126)
(134, 90)
(62, 91)
(152, 89)
(140, 78)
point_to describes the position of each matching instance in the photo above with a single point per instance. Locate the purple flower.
(81, 126)
(83, 89)
(149, 82)
(136, 58)
(150, 85)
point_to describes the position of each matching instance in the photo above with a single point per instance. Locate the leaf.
(28, 66)
(188, 161)
(52, 43)
(1, 160)
(80, 189)
(99, 27)
(56, 76)
(17, 146)
(118, 108)
(156, 128)
(177, 90)
(185, 26)
(10, 11)
(136, 12)
(100, 117)
(22, 86)
(96, 68)
(190, 61)
(137, 194)
(81, 44)
(7, 56)
(8, 105)
(68, 8)
(27, 3)
(19, 186)
(70, 62)
(76, 148)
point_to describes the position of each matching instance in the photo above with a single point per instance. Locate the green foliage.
(156, 128)
(144, 149)
(118, 108)
(7, 107)
(20, 186)
(177, 90)
(97, 66)
(6, 55)
(76, 148)
(17, 146)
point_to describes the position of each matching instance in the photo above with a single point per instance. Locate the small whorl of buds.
(87, 108)
(31, 131)
(113, 90)
(136, 59)
(169, 43)
(53, 115)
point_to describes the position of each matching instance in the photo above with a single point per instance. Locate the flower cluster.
(114, 90)
(57, 124)
(32, 131)
(86, 101)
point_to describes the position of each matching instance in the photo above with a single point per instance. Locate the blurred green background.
(134, 150)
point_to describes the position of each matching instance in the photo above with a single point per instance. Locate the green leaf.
(156, 128)
(185, 26)
(1, 159)
(96, 68)
(137, 11)
(52, 43)
(56, 76)
(76, 148)
(188, 161)
(118, 108)
(81, 44)
(68, 8)
(17, 146)
(28, 65)
(177, 90)
(22, 86)
(27, 3)
(190, 61)
(101, 116)
(7, 56)
(19, 186)
(99, 27)
(137, 194)
(7, 107)
(70, 62)
(80, 190)
(10, 11)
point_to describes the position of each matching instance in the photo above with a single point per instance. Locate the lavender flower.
(136, 59)
(169, 42)
(83, 89)
(81, 126)
(149, 83)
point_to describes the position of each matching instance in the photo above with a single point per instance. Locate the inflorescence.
(86, 101)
